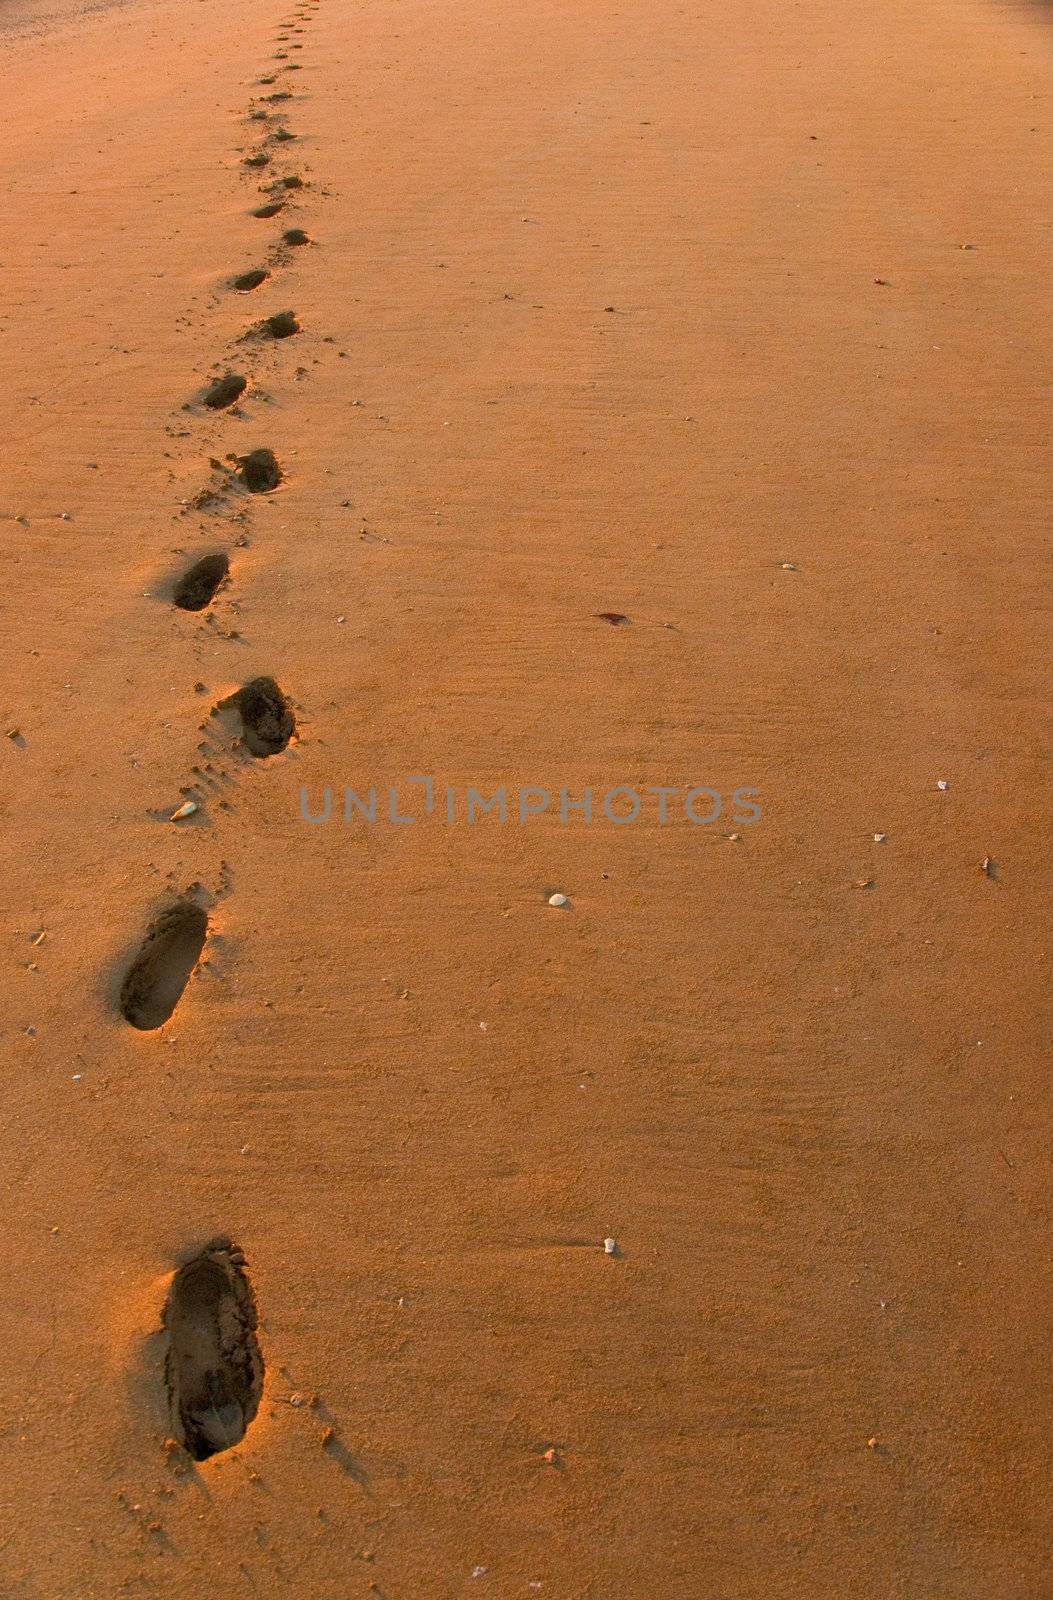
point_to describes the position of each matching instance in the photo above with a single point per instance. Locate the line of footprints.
(214, 1366)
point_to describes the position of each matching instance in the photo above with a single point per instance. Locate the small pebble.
(610, 1247)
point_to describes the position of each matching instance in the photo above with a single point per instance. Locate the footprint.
(282, 325)
(225, 391)
(295, 236)
(199, 583)
(250, 280)
(269, 210)
(259, 158)
(292, 182)
(266, 720)
(282, 136)
(260, 471)
(156, 979)
(214, 1367)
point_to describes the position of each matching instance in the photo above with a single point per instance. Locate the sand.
(730, 322)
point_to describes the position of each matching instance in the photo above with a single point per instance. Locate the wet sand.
(726, 322)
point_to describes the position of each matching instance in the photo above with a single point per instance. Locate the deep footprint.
(266, 720)
(199, 583)
(247, 281)
(295, 236)
(282, 325)
(155, 981)
(214, 1367)
(260, 471)
(225, 391)
(268, 210)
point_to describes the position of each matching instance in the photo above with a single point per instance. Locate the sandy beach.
(526, 1022)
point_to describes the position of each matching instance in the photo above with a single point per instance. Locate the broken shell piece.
(610, 1247)
(941, 783)
(879, 838)
(788, 566)
(558, 900)
(187, 809)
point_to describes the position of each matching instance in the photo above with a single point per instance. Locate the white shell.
(610, 1246)
(558, 900)
(187, 809)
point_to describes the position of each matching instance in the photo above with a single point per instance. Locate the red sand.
(804, 455)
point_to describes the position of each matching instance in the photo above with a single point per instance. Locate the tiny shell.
(187, 809)
(558, 900)
(610, 1247)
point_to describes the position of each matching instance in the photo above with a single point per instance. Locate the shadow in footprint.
(154, 983)
(225, 391)
(260, 471)
(282, 325)
(267, 722)
(214, 1367)
(247, 281)
(199, 583)
(295, 236)
(270, 210)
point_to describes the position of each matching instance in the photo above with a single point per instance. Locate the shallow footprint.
(295, 236)
(199, 583)
(154, 983)
(266, 720)
(214, 1367)
(270, 210)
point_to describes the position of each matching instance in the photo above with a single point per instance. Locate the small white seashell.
(558, 900)
(941, 783)
(610, 1247)
(879, 838)
(187, 809)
